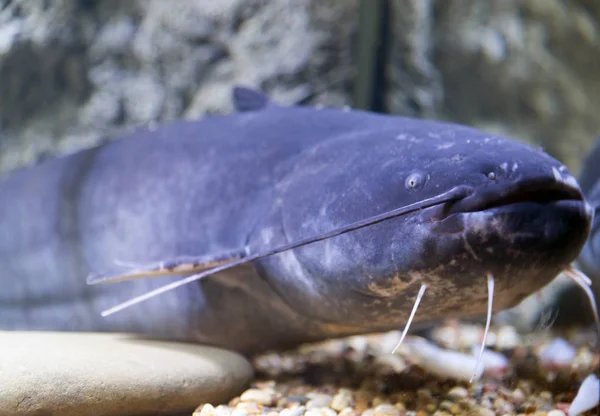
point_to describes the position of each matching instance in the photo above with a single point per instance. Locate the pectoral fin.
(175, 266)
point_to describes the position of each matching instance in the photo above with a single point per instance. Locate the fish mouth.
(540, 192)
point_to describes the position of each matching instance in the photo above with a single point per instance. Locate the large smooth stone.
(51, 373)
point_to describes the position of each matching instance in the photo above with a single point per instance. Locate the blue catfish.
(238, 203)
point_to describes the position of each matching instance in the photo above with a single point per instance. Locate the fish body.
(230, 186)
(589, 179)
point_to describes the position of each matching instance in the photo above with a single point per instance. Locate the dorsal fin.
(248, 99)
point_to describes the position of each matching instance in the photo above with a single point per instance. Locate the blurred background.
(73, 73)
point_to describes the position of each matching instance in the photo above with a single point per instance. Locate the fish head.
(522, 220)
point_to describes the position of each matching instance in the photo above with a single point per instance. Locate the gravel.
(358, 376)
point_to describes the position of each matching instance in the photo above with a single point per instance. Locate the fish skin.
(589, 258)
(267, 175)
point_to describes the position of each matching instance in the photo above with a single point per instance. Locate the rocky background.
(75, 72)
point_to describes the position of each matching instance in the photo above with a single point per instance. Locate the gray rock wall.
(73, 72)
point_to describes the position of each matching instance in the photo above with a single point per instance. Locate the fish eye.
(415, 181)
(491, 176)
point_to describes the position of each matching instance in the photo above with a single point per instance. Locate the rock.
(319, 400)
(112, 374)
(74, 73)
(295, 411)
(414, 84)
(320, 411)
(344, 398)
(206, 410)
(559, 353)
(252, 408)
(386, 410)
(457, 393)
(266, 397)
(482, 411)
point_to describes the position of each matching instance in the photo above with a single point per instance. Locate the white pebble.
(223, 410)
(344, 398)
(318, 400)
(250, 407)
(558, 352)
(441, 362)
(348, 411)
(264, 397)
(518, 396)
(386, 410)
(321, 411)
(358, 343)
(395, 362)
(447, 336)
(207, 410)
(492, 360)
(507, 338)
(588, 396)
(458, 393)
(295, 411)
(482, 411)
